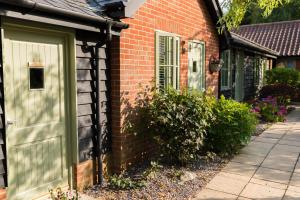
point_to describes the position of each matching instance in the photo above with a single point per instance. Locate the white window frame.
(176, 59)
(228, 86)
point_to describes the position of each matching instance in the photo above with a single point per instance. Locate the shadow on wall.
(95, 57)
(138, 144)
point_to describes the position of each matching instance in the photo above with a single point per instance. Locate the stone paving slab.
(286, 149)
(292, 137)
(208, 194)
(257, 148)
(292, 193)
(273, 135)
(294, 188)
(273, 175)
(295, 181)
(289, 142)
(286, 163)
(240, 169)
(266, 140)
(295, 131)
(255, 191)
(283, 153)
(297, 168)
(229, 183)
(248, 159)
(279, 126)
(269, 184)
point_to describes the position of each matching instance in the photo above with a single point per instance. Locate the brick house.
(168, 43)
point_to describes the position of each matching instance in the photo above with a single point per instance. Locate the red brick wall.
(2, 194)
(133, 61)
(84, 174)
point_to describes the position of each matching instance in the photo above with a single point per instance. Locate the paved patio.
(268, 168)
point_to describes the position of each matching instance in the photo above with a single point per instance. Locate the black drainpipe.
(108, 39)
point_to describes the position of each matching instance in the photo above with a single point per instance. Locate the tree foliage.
(287, 12)
(235, 10)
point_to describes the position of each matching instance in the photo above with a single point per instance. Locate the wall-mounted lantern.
(183, 48)
(215, 64)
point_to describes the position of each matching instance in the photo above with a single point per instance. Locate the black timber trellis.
(89, 59)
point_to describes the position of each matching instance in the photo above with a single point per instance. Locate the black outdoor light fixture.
(183, 48)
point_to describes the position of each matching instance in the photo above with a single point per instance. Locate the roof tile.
(283, 37)
(86, 7)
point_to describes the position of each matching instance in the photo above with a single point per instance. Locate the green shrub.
(282, 76)
(284, 93)
(232, 128)
(124, 183)
(178, 122)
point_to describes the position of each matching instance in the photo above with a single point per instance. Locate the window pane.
(177, 78)
(161, 78)
(36, 78)
(170, 76)
(225, 69)
(177, 52)
(162, 50)
(171, 50)
(195, 66)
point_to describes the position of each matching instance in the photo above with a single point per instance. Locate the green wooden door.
(196, 71)
(35, 113)
(239, 77)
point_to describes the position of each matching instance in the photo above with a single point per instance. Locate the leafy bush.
(269, 110)
(282, 76)
(283, 93)
(178, 122)
(124, 183)
(232, 128)
(152, 170)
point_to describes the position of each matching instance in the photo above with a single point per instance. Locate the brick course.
(133, 62)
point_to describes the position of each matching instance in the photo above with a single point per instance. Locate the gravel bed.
(164, 185)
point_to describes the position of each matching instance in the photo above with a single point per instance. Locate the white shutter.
(167, 61)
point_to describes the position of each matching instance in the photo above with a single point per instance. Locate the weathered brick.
(3, 194)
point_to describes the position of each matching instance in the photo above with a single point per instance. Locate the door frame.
(204, 61)
(69, 83)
